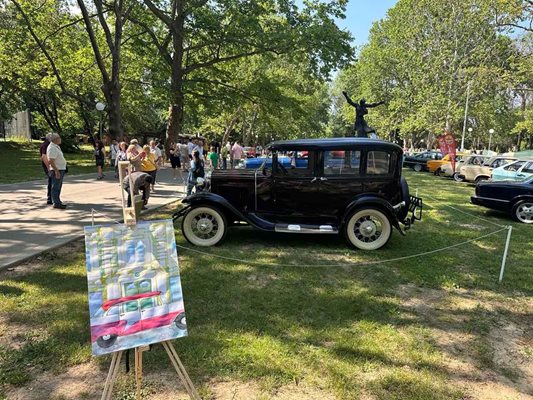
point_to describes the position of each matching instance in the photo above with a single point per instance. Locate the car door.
(340, 181)
(526, 171)
(507, 172)
(295, 187)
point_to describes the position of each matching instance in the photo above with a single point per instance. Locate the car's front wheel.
(417, 167)
(523, 211)
(368, 229)
(106, 341)
(204, 226)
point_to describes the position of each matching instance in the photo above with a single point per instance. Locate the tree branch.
(218, 60)
(159, 13)
(161, 47)
(103, 22)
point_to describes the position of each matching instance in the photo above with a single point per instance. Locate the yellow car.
(435, 165)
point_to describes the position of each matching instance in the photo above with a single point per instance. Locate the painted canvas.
(135, 295)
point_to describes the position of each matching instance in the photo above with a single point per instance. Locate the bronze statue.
(361, 127)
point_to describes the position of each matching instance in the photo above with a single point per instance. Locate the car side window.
(514, 166)
(377, 163)
(528, 169)
(296, 163)
(342, 162)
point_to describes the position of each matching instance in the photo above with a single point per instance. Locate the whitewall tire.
(368, 229)
(204, 226)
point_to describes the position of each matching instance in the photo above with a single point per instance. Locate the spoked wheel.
(457, 178)
(204, 226)
(368, 229)
(523, 211)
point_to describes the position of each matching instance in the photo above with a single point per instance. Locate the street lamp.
(100, 107)
(491, 131)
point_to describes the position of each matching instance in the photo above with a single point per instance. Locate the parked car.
(349, 186)
(474, 159)
(131, 314)
(418, 162)
(436, 165)
(249, 152)
(254, 163)
(516, 171)
(478, 173)
(515, 198)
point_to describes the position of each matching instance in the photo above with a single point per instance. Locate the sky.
(359, 17)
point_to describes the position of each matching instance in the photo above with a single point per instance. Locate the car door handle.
(520, 175)
(323, 179)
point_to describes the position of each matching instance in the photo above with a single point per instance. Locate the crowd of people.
(188, 156)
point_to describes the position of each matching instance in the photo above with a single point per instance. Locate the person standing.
(190, 148)
(58, 167)
(99, 156)
(121, 155)
(213, 158)
(156, 151)
(196, 171)
(141, 182)
(236, 154)
(184, 155)
(148, 164)
(175, 161)
(134, 154)
(113, 153)
(224, 155)
(46, 167)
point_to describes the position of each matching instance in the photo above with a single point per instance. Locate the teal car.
(515, 171)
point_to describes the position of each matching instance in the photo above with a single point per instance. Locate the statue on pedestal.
(361, 109)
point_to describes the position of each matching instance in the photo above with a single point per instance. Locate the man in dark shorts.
(46, 167)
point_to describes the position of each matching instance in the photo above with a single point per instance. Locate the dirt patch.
(470, 325)
(85, 381)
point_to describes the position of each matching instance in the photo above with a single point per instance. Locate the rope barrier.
(464, 212)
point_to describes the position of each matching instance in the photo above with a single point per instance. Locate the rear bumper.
(416, 206)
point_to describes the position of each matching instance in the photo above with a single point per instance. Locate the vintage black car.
(418, 162)
(351, 186)
(513, 197)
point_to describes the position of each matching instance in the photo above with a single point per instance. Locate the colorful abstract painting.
(135, 296)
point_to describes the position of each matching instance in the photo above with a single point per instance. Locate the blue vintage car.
(516, 171)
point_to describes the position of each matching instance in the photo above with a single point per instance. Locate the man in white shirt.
(58, 166)
(190, 148)
(236, 152)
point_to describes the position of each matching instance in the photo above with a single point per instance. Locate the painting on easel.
(135, 296)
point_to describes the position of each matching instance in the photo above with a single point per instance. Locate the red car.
(132, 314)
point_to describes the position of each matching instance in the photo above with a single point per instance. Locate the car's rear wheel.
(457, 178)
(368, 229)
(204, 226)
(106, 341)
(180, 321)
(417, 167)
(481, 179)
(523, 211)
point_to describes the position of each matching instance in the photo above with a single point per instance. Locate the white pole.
(92, 216)
(466, 116)
(505, 253)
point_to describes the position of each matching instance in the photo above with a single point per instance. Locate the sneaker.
(60, 206)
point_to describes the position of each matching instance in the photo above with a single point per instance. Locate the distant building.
(19, 126)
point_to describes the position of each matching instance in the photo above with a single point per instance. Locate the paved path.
(28, 226)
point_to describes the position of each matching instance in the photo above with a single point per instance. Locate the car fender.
(376, 202)
(521, 197)
(225, 206)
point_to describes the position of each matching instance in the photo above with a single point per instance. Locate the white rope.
(464, 212)
(344, 265)
(105, 216)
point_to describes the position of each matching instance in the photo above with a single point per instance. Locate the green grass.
(23, 162)
(345, 329)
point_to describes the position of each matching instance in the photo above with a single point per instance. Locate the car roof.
(331, 144)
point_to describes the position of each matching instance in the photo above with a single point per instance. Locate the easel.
(130, 219)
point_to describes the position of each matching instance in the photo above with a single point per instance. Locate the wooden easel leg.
(111, 375)
(180, 369)
(138, 372)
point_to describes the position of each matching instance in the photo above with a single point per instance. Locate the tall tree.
(196, 35)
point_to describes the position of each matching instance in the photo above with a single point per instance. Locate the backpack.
(198, 171)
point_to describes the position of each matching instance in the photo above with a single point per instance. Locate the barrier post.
(504, 259)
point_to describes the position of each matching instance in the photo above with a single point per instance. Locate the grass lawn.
(437, 326)
(24, 162)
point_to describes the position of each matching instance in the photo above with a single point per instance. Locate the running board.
(296, 228)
